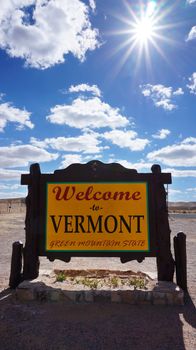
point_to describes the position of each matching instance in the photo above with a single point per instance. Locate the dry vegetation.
(182, 207)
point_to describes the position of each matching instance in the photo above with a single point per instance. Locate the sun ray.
(145, 29)
(123, 60)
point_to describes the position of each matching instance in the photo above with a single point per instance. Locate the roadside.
(98, 326)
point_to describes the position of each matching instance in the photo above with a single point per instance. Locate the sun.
(144, 29)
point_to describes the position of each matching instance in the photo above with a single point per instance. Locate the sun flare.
(144, 30)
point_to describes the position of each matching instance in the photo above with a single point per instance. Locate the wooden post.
(181, 260)
(165, 261)
(31, 257)
(16, 265)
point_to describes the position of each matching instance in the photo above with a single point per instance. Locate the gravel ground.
(53, 326)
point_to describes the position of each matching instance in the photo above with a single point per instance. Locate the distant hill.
(182, 206)
(12, 205)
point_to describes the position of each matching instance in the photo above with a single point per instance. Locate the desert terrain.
(98, 326)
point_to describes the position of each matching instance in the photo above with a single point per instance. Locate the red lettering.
(107, 195)
(120, 195)
(57, 190)
(95, 196)
(88, 195)
(80, 196)
(136, 196)
(88, 192)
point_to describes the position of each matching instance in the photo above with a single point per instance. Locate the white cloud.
(9, 187)
(161, 134)
(166, 105)
(173, 191)
(22, 155)
(92, 5)
(156, 91)
(175, 195)
(86, 88)
(43, 34)
(69, 159)
(140, 166)
(189, 140)
(182, 154)
(180, 173)
(146, 168)
(178, 92)
(161, 95)
(192, 34)
(12, 194)
(86, 143)
(126, 139)
(192, 85)
(11, 114)
(87, 113)
(10, 174)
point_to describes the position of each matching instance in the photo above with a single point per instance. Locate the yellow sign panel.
(95, 217)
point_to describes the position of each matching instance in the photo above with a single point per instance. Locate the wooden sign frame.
(97, 172)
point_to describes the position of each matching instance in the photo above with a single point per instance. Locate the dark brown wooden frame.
(96, 171)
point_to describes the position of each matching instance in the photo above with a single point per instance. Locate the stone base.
(44, 288)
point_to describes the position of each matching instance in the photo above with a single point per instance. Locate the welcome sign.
(97, 210)
(97, 217)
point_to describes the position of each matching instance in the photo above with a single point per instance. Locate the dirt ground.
(58, 326)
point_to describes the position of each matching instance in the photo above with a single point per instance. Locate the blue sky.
(106, 79)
